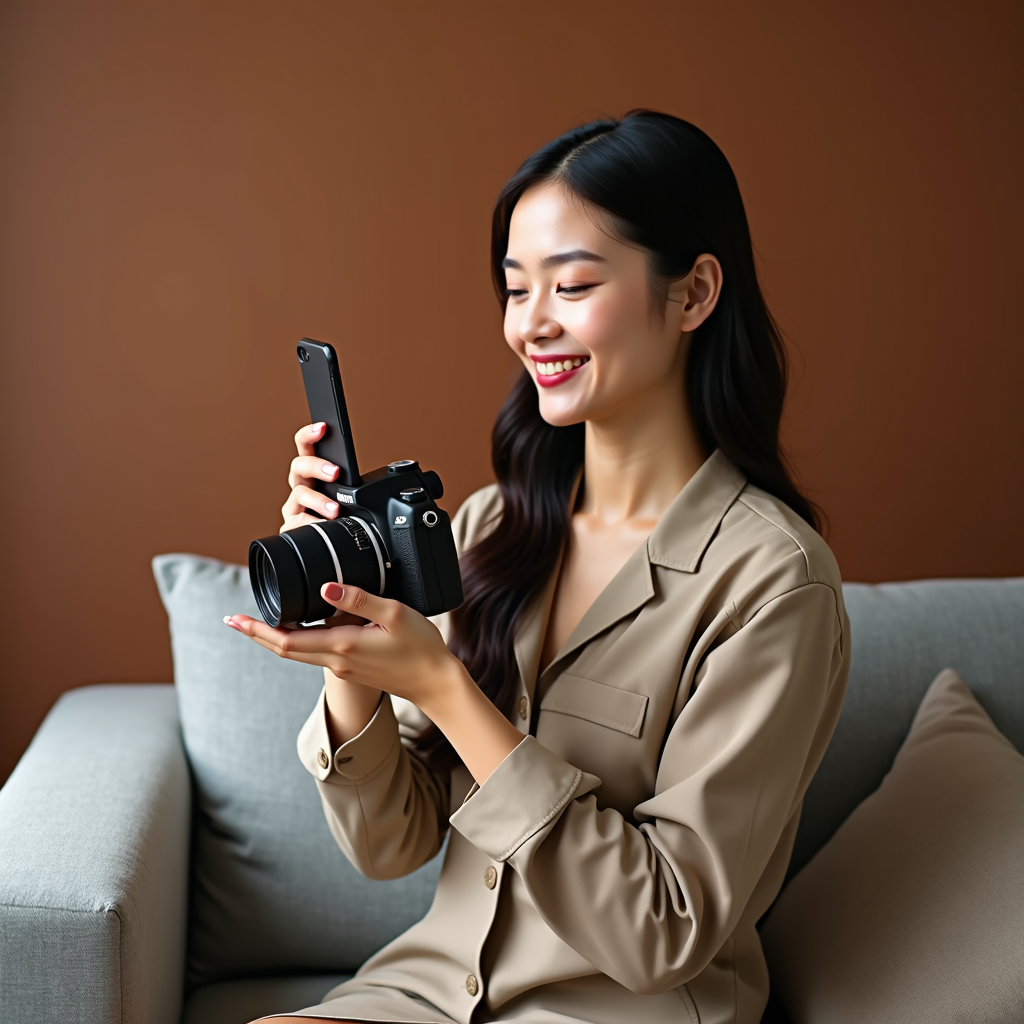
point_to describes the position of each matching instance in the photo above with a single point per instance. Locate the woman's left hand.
(397, 650)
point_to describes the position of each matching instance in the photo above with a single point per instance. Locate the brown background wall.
(188, 188)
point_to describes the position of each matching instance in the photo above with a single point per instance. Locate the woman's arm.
(388, 810)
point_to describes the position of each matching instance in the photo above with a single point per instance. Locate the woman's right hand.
(306, 470)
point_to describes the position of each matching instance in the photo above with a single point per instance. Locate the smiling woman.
(617, 727)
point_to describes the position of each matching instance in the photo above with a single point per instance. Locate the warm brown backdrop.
(187, 188)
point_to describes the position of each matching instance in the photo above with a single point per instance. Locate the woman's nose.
(537, 321)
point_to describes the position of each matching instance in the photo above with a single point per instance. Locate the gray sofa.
(148, 870)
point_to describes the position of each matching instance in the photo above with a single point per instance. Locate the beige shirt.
(615, 864)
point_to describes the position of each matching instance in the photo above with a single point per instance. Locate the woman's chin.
(560, 413)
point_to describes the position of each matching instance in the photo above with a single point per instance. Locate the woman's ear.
(692, 298)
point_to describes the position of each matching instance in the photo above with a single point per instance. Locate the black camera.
(390, 537)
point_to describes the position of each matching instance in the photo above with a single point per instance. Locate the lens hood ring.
(330, 548)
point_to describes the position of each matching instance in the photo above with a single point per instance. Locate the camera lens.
(277, 580)
(287, 570)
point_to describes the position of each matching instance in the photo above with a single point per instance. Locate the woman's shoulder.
(476, 517)
(765, 551)
(788, 537)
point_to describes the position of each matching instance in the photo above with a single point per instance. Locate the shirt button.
(490, 878)
(522, 707)
(322, 759)
(471, 986)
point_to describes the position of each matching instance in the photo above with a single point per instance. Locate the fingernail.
(315, 428)
(333, 592)
(331, 506)
(227, 620)
(328, 471)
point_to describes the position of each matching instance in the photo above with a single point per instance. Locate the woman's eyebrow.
(559, 258)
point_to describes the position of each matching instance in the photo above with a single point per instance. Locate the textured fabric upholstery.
(903, 635)
(93, 822)
(94, 826)
(238, 1002)
(271, 892)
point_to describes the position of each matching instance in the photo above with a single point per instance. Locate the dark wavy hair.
(661, 184)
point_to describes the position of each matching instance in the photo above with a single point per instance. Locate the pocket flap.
(609, 706)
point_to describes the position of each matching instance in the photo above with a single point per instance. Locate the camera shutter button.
(413, 495)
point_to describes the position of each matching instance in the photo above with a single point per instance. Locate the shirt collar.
(689, 523)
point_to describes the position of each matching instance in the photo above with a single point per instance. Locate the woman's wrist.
(481, 735)
(350, 707)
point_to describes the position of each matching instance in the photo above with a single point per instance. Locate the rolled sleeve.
(356, 759)
(524, 794)
(386, 809)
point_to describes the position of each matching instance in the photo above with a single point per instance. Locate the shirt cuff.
(357, 758)
(526, 792)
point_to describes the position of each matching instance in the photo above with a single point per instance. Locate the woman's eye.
(573, 289)
(515, 293)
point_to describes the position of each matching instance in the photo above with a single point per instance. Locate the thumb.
(358, 602)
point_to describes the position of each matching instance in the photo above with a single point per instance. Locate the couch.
(147, 867)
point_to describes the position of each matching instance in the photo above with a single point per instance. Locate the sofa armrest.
(94, 834)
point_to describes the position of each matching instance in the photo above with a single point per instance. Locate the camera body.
(420, 560)
(390, 537)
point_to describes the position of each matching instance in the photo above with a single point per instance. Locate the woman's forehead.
(547, 222)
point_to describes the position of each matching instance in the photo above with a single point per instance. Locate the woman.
(617, 728)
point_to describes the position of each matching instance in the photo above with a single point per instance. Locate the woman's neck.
(638, 460)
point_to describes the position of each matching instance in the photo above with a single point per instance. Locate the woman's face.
(579, 312)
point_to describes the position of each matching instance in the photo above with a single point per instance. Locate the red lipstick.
(557, 369)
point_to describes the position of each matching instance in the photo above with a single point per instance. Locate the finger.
(295, 643)
(303, 497)
(294, 522)
(306, 659)
(305, 468)
(380, 610)
(307, 436)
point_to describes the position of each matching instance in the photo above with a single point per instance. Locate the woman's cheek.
(511, 330)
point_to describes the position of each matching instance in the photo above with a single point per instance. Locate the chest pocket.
(609, 706)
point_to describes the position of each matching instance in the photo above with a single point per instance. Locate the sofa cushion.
(239, 1002)
(903, 635)
(271, 891)
(914, 910)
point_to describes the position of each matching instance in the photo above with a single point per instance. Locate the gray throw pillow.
(271, 892)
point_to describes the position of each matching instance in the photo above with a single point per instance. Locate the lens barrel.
(287, 570)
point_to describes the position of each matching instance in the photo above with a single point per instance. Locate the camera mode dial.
(413, 495)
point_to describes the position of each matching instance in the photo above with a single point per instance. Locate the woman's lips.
(555, 370)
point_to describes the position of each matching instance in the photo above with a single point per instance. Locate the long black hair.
(663, 185)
